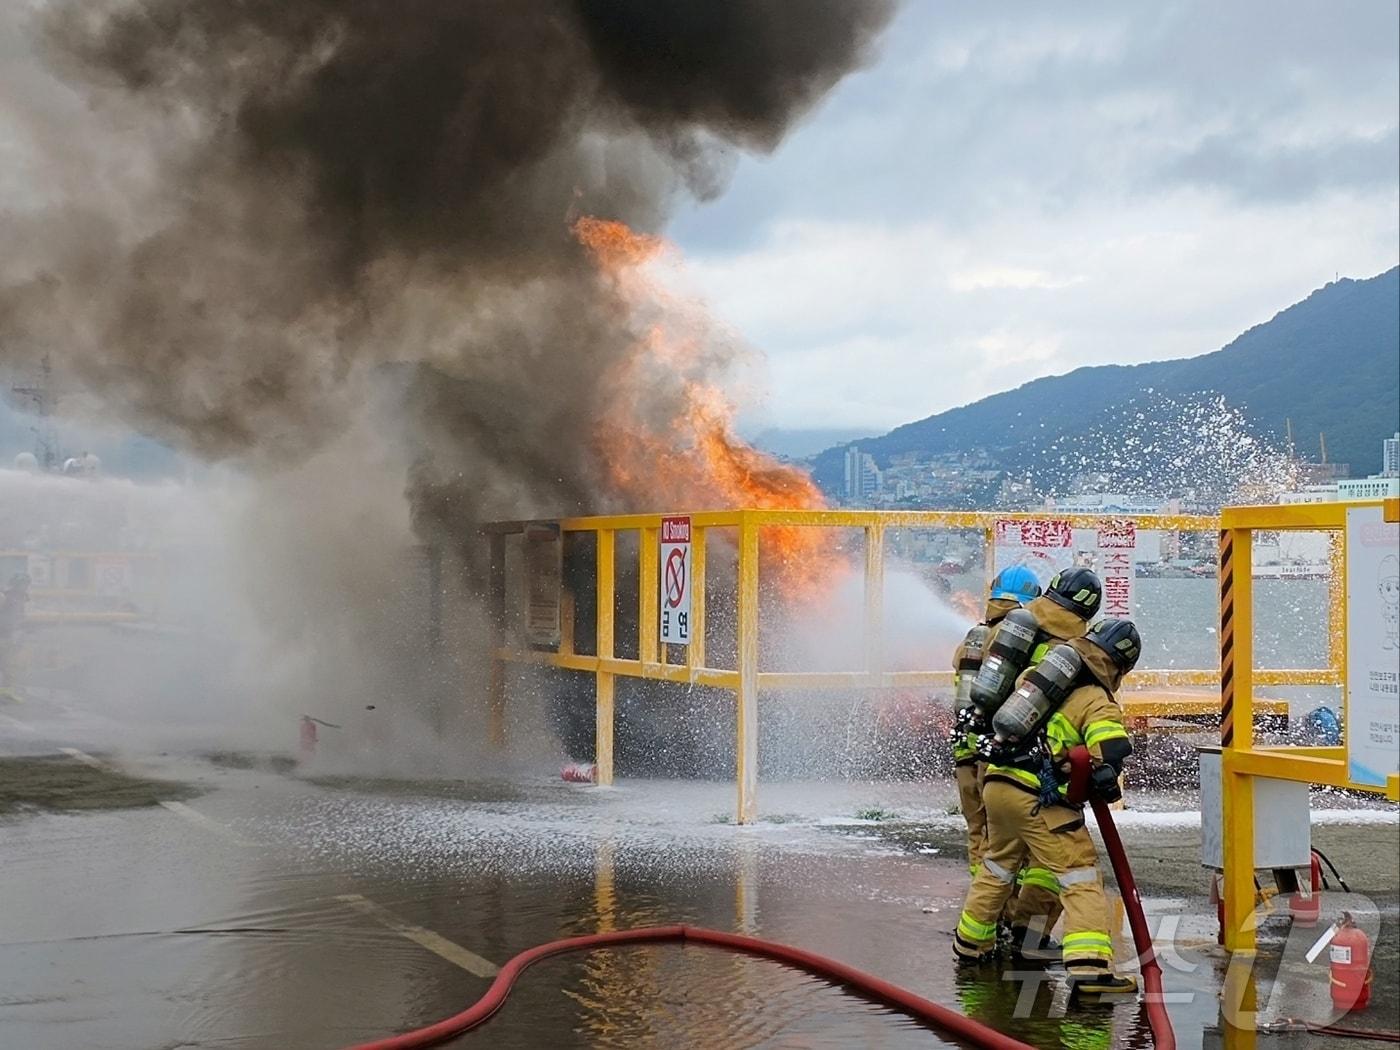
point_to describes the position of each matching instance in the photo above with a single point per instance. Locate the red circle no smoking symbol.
(675, 577)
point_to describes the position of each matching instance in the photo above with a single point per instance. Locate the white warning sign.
(675, 581)
(1117, 548)
(1373, 646)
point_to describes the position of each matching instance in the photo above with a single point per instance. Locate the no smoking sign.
(675, 581)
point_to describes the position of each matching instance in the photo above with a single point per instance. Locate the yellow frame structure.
(1240, 759)
(746, 680)
(88, 617)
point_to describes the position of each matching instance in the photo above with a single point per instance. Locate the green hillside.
(1331, 363)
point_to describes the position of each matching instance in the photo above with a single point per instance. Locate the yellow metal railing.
(1241, 760)
(74, 603)
(746, 679)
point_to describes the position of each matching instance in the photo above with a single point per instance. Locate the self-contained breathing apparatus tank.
(1026, 711)
(969, 662)
(1005, 658)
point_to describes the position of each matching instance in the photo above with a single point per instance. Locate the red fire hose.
(1162, 1035)
(950, 1022)
(867, 985)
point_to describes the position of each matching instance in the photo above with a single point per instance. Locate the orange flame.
(966, 603)
(693, 458)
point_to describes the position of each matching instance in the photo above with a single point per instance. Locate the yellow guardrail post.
(648, 600)
(695, 651)
(1239, 1003)
(1337, 608)
(989, 558)
(566, 622)
(496, 611)
(874, 599)
(746, 696)
(1237, 732)
(604, 681)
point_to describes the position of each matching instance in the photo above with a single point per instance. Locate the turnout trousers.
(1035, 900)
(974, 812)
(1020, 831)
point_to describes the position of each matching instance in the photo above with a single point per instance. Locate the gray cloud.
(1256, 172)
(1019, 189)
(972, 107)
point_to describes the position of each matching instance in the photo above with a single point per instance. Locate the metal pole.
(1239, 1003)
(604, 680)
(695, 651)
(648, 599)
(1237, 733)
(746, 698)
(496, 611)
(874, 600)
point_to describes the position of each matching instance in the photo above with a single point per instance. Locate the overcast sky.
(1015, 190)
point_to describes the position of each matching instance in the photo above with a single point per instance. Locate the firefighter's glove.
(1103, 782)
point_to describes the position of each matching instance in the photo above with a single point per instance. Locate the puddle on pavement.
(169, 935)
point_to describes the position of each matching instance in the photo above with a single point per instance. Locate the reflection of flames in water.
(693, 460)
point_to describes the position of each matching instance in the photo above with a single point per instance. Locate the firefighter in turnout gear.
(1019, 642)
(1065, 702)
(1011, 589)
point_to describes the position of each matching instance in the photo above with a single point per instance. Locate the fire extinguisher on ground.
(308, 735)
(1350, 958)
(1306, 907)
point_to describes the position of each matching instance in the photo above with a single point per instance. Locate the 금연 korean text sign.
(675, 581)
(1117, 544)
(1045, 545)
(1373, 646)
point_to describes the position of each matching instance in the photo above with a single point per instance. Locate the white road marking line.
(178, 808)
(435, 943)
(87, 760)
(194, 816)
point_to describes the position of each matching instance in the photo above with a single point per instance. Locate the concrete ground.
(252, 905)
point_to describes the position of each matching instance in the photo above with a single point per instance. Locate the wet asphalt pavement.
(273, 910)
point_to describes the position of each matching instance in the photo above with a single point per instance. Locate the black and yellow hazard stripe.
(1227, 638)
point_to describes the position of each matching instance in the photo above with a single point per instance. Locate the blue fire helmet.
(1017, 584)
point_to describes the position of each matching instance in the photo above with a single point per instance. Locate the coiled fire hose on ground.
(868, 986)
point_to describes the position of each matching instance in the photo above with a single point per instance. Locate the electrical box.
(1282, 819)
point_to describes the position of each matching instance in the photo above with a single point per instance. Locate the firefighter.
(1065, 702)
(1019, 642)
(1011, 589)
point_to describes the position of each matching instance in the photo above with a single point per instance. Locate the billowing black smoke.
(329, 242)
(331, 185)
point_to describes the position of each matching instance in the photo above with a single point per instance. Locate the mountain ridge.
(1330, 362)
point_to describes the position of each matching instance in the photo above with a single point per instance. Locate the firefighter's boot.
(1028, 947)
(964, 957)
(1098, 981)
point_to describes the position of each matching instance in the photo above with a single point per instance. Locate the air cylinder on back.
(1004, 659)
(969, 662)
(1038, 697)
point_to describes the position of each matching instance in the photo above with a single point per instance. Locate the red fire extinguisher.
(1350, 954)
(1306, 908)
(307, 742)
(1218, 899)
(308, 737)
